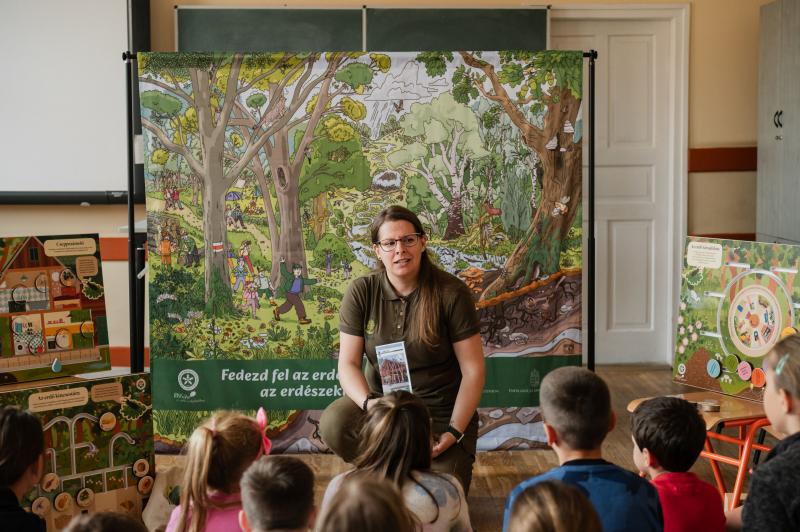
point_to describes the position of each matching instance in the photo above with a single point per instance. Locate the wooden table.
(747, 416)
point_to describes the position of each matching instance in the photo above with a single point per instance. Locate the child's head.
(782, 393)
(297, 270)
(668, 433)
(395, 438)
(277, 494)
(21, 449)
(366, 504)
(217, 455)
(105, 522)
(576, 405)
(553, 506)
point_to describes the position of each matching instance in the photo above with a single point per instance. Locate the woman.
(396, 445)
(409, 299)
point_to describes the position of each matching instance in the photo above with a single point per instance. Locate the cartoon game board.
(98, 446)
(52, 307)
(736, 298)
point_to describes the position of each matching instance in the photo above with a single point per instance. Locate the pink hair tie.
(211, 431)
(261, 421)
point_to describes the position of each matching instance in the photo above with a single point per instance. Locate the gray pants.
(342, 420)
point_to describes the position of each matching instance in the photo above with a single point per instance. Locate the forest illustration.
(263, 172)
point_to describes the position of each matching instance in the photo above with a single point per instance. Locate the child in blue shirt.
(576, 409)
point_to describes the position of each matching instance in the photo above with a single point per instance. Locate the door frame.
(678, 17)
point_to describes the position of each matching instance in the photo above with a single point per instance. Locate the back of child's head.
(21, 443)
(105, 522)
(217, 455)
(671, 429)
(278, 493)
(784, 360)
(366, 504)
(553, 506)
(577, 404)
(396, 437)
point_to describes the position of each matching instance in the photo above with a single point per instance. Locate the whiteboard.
(62, 95)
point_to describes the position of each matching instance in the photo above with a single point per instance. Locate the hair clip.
(261, 420)
(781, 363)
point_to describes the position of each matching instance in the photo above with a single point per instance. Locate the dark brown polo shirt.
(373, 310)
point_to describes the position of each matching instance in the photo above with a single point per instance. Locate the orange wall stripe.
(113, 248)
(121, 356)
(742, 159)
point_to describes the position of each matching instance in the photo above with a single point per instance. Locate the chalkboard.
(407, 30)
(263, 30)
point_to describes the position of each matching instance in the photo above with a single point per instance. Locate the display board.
(98, 447)
(52, 307)
(736, 299)
(265, 170)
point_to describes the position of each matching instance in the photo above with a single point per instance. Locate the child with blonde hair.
(366, 504)
(218, 453)
(553, 506)
(773, 501)
(396, 444)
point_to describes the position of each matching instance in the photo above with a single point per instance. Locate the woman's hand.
(446, 440)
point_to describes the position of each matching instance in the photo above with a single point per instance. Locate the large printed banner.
(265, 170)
(736, 299)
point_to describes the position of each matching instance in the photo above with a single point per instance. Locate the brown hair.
(577, 404)
(671, 429)
(785, 356)
(553, 506)
(425, 327)
(396, 440)
(278, 493)
(21, 443)
(217, 455)
(366, 504)
(105, 522)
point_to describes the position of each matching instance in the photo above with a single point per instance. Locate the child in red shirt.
(668, 434)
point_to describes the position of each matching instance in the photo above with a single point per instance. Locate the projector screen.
(62, 96)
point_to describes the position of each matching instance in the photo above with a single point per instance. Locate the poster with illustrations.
(98, 438)
(262, 174)
(52, 307)
(736, 299)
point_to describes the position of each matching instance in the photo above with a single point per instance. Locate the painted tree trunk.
(455, 219)
(539, 251)
(319, 221)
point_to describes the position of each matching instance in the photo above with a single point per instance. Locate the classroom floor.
(496, 473)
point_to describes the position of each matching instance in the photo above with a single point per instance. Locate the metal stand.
(589, 210)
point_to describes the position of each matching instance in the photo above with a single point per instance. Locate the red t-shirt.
(689, 504)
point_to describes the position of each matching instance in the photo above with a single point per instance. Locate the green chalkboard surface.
(263, 30)
(401, 30)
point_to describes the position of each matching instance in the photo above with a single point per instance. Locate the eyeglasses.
(408, 241)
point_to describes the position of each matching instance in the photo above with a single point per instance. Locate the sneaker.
(276, 314)
(273, 303)
(304, 321)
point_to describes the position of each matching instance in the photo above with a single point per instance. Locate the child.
(218, 453)
(293, 286)
(668, 434)
(553, 506)
(773, 502)
(366, 504)
(277, 494)
(576, 410)
(396, 444)
(21, 466)
(250, 295)
(105, 522)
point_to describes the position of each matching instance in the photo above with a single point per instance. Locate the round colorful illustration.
(85, 497)
(758, 307)
(145, 485)
(41, 506)
(63, 501)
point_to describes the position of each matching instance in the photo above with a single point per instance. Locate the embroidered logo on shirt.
(370, 327)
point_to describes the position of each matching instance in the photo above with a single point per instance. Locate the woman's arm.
(469, 353)
(351, 351)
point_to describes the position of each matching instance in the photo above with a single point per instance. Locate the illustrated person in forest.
(265, 287)
(293, 284)
(407, 298)
(244, 253)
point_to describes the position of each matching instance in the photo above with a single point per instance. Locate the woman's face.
(401, 262)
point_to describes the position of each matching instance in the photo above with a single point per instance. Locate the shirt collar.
(387, 290)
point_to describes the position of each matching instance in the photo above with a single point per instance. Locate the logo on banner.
(188, 380)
